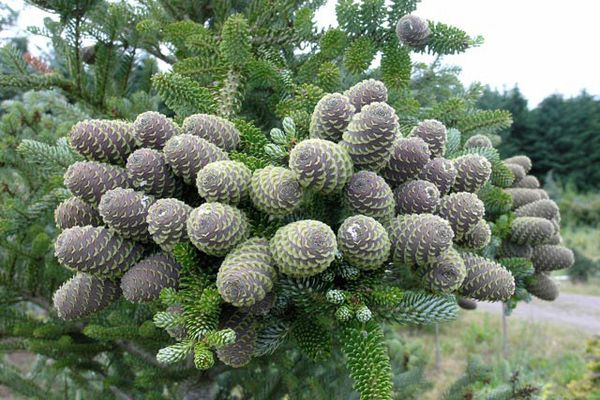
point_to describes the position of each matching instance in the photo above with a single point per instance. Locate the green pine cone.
(240, 352)
(523, 161)
(167, 222)
(544, 208)
(216, 228)
(434, 133)
(366, 92)
(486, 280)
(368, 194)
(224, 181)
(216, 130)
(303, 248)
(445, 274)
(409, 157)
(473, 171)
(478, 141)
(478, 237)
(144, 281)
(83, 295)
(363, 242)
(370, 135)
(331, 116)
(89, 180)
(531, 230)
(275, 191)
(96, 250)
(418, 239)
(440, 172)
(517, 171)
(528, 182)
(103, 140)
(512, 250)
(543, 287)
(416, 197)
(188, 154)
(462, 210)
(320, 165)
(522, 196)
(124, 211)
(76, 212)
(149, 172)
(413, 31)
(549, 257)
(152, 129)
(246, 275)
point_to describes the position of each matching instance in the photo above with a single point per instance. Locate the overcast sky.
(543, 46)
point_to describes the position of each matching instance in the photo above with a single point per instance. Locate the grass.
(591, 288)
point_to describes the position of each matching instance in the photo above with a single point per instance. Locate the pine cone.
(473, 171)
(548, 257)
(525, 196)
(544, 208)
(152, 129)
(416, 197)
(148, 171)
(440, 172)
(486, 280)
(83, 295)
(480, 141)
(303, 248)
(363, 242)
(224, 181)
(144, 281)
(275, 191)
(478, 237)
(555, 240)
(517, 171)
(413, 31)
(528, 182)
(523, 161)
(368, 194)
(445, 274)
(366, 92)
(408, 159)
(320, 165)
(467, 304)
(239, 353)
(216, 130)
(462, 210)
(76, 212)
(188, 154)
(331, 116)
(543, 287)
(434, 133)
(167, 222)
(217, 228)
(96, 250)
(370, 135)
(247, 273)
(89, 180)
(262, 307)
(510, 250)
(531, 230)
(125, 211)
(418, 239)
(102, 140)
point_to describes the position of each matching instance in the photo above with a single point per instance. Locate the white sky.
(543, 46)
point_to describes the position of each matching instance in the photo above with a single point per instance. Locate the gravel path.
(573, 310)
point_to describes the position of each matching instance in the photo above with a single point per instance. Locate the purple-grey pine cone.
(544, 208)
(167, 222)
(216, 228)
(409, 157)
(368, 194)
(543, 287)
(486, 280)
(103, 140)
(531, 230)
(224, 181)
(510, 249)
(76, 212)
(148, 171)
(517, 171)
(152, 129)
(188, 154)
(320, 165)
(89, 180)
(472, 172)
(363, 242)
(246, 275)
(478, 141)
(262, 307)
(124, 211)
(366, 92)
(216, 130)
(239, 353)
(547, 257)
(528, 182)
(83, 295)
(441, 172)
(275, 191)
(522, 196)
(370, 135)
(416, 197)
(413, 31)
(445, 274)
(144, 281)
(466, 304)
(523, 161)
(331, 116)
(462, 210)
(96, 250)
(434, 133)
(555, 240)
(418, 239)
(478, 237)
